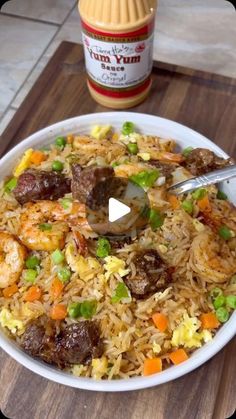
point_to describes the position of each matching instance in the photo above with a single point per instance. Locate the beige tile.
(4, 121)
(198, 34)
(47, 10)
(22, 43)
(70, 31)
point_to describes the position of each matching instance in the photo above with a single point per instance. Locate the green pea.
(133, 148)
(60, 142)
(74, 310)
(64, 274)
(57, 166)
(30, 275)
(231, 301)
(57, 257)
(32, 262)
(88, 308)
(187, 205)
(225, 233)
(222, 314)
(219, 301)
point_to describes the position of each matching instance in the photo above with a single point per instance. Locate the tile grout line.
(9, 106)
(30, 19)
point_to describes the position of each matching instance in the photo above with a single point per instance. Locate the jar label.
(118, 62)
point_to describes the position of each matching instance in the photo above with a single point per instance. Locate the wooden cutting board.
(202, 101)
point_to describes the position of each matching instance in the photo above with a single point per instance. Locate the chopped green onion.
(233, 280)
(85, 309)
(222, 314)
(57, 166)
(156, 219)
(199, 193)
(66, 203)
(64, 274)
(231, 301)
(145, 179)
(127, 128)
(74, 310)
(103, 247)
(58, 257)
(187, 205)
(45, 227)
(10, 185)
(60, 142)
(30, 275)
(133, 148)
(115, 164)
(221, 195)
(88, 308)
(225, 233)
(219, 301)
(32, 262)
(121, 292)
(187, 151)
(215, 292)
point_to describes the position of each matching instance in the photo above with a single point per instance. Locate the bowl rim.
(199, 356)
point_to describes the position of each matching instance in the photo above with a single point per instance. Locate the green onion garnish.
(32, 262)
(132, 148)
(215, 292)
(121, 292)
(66, 203)
(187, 151)
(221, 195)
(127, 128)
(199, 193)
(156, 219)
(103, 247)
(145, 179)
(10, 185)
(187, 205)
(30, 275)
(45, 227)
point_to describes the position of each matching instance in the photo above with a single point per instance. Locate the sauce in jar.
(118, 46)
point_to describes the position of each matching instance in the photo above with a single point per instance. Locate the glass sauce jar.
(118, 47)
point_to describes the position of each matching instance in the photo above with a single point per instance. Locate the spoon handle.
(204, 180)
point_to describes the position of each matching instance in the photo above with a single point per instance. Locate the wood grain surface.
(202, 101)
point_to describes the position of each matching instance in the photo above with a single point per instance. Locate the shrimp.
(12, 258)
(43, 226)
(211, 259)
(222, 213)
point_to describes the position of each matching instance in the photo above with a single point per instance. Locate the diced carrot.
(204, 204)
(178, 356)
(9, 291)
(174, 202)
(70, 138)
(37, 157)
(152, 366)
(160, 321)
(33, 293)
(174, 157)
(58, 312)
(209, 321)
(56, 288)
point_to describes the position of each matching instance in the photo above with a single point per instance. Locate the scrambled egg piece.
(87, 268)
(100, 131)
(156, 348)
(115, 265)
(99, 367)
(198, 225)
(144, 156)
(7, 320)
(24, 163)
(133, 137)
(186, 333)
(30, 314)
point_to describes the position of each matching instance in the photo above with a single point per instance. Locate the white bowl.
(146, 124)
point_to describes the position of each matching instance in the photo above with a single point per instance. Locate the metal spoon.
(203, 180)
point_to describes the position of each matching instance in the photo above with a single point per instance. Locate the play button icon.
(116, 207)
(117, 210)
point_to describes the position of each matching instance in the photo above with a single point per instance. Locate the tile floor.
(195, 33)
